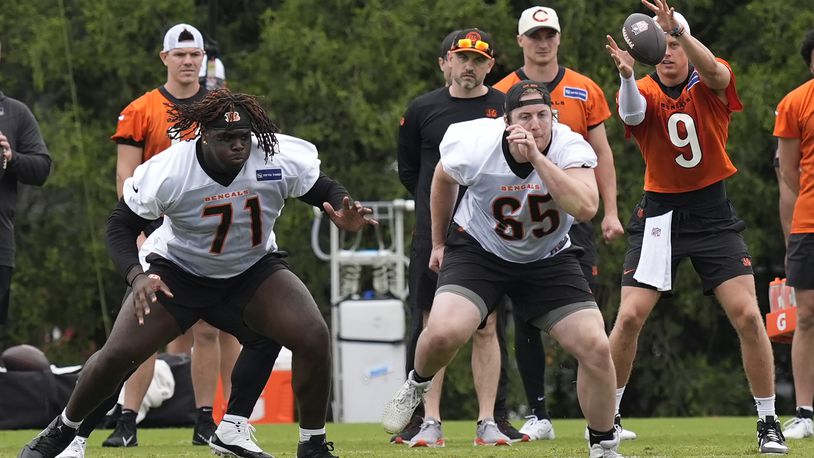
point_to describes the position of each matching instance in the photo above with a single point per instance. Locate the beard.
(469, 82)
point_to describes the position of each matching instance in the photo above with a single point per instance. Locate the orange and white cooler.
(276, 403)
(782, 318)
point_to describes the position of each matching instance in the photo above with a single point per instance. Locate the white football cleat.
(399, 410)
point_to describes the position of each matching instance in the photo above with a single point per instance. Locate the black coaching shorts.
(537, 289)
(800, 264)
(219, 302)
(422, 280)
(582, 235)
(708, 233)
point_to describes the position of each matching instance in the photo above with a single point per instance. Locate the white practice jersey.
(511, 217)
(211, 230)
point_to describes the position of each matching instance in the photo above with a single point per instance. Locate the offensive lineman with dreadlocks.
(216, 257)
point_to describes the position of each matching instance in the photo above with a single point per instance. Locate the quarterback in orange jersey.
(679, 115)
(580, 104)
(794, 128)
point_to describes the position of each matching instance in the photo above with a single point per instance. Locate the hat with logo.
(182, 36)
(524, 87)
(537, 17)
(473, 40)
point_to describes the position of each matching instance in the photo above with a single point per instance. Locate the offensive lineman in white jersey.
(528, 178)
(216, 258)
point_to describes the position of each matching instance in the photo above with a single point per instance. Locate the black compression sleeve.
(325, 189)
(123, 228)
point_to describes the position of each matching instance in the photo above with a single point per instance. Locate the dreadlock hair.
(187, 118)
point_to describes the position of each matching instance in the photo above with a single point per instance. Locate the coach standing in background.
(25, 160)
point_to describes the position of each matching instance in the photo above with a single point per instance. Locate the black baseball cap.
(473, 40)
(446, 44)
(521, 88)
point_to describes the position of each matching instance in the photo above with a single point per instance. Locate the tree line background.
(339, 73)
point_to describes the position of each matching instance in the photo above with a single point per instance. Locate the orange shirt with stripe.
(578, 100)
(143, 123)
(683, 138)
(795, 119)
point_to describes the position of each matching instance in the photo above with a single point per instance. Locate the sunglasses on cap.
(466, 43)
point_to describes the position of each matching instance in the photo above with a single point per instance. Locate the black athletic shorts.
(705, 228)
(422, 280)
(800, 263)
(582, 235)
(5, 292)
(219, 302)
(536, 289)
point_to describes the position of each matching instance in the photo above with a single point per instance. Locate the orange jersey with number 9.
(683, 139)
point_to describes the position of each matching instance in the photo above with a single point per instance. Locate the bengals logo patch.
(232, 116)
(491, 113)
(474, 36)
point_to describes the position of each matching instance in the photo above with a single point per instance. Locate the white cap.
(172, 38)
(537, 17)
(680, 19)
(220, 70)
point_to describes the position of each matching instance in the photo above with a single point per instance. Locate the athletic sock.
(128, 415)
(595, 437)
(419, 379)
(541, 412)
(765, 407)
(619, 393)
(306, 434)
(69, 423)
(203, 412)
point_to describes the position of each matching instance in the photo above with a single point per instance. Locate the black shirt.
(31, 165)
(422, 128)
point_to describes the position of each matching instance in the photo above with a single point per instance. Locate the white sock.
(765, 407)
(306, 434)
(235, 418)
(69, 423)
(619, 393)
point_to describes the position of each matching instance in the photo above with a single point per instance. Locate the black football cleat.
(408, 432)
(315, 447)
(125, 433)
(204, 429)
(50, 442)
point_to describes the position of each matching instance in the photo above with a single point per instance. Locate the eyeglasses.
(469, 44)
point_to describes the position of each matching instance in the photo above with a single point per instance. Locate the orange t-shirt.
(579, 102)
(144, 122)
(795, 119)
(683, 138)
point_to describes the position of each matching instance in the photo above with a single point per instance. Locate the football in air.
(644, 39)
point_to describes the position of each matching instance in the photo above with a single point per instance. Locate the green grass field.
(662, 437)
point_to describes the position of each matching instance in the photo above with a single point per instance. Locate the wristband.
(677, 32)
